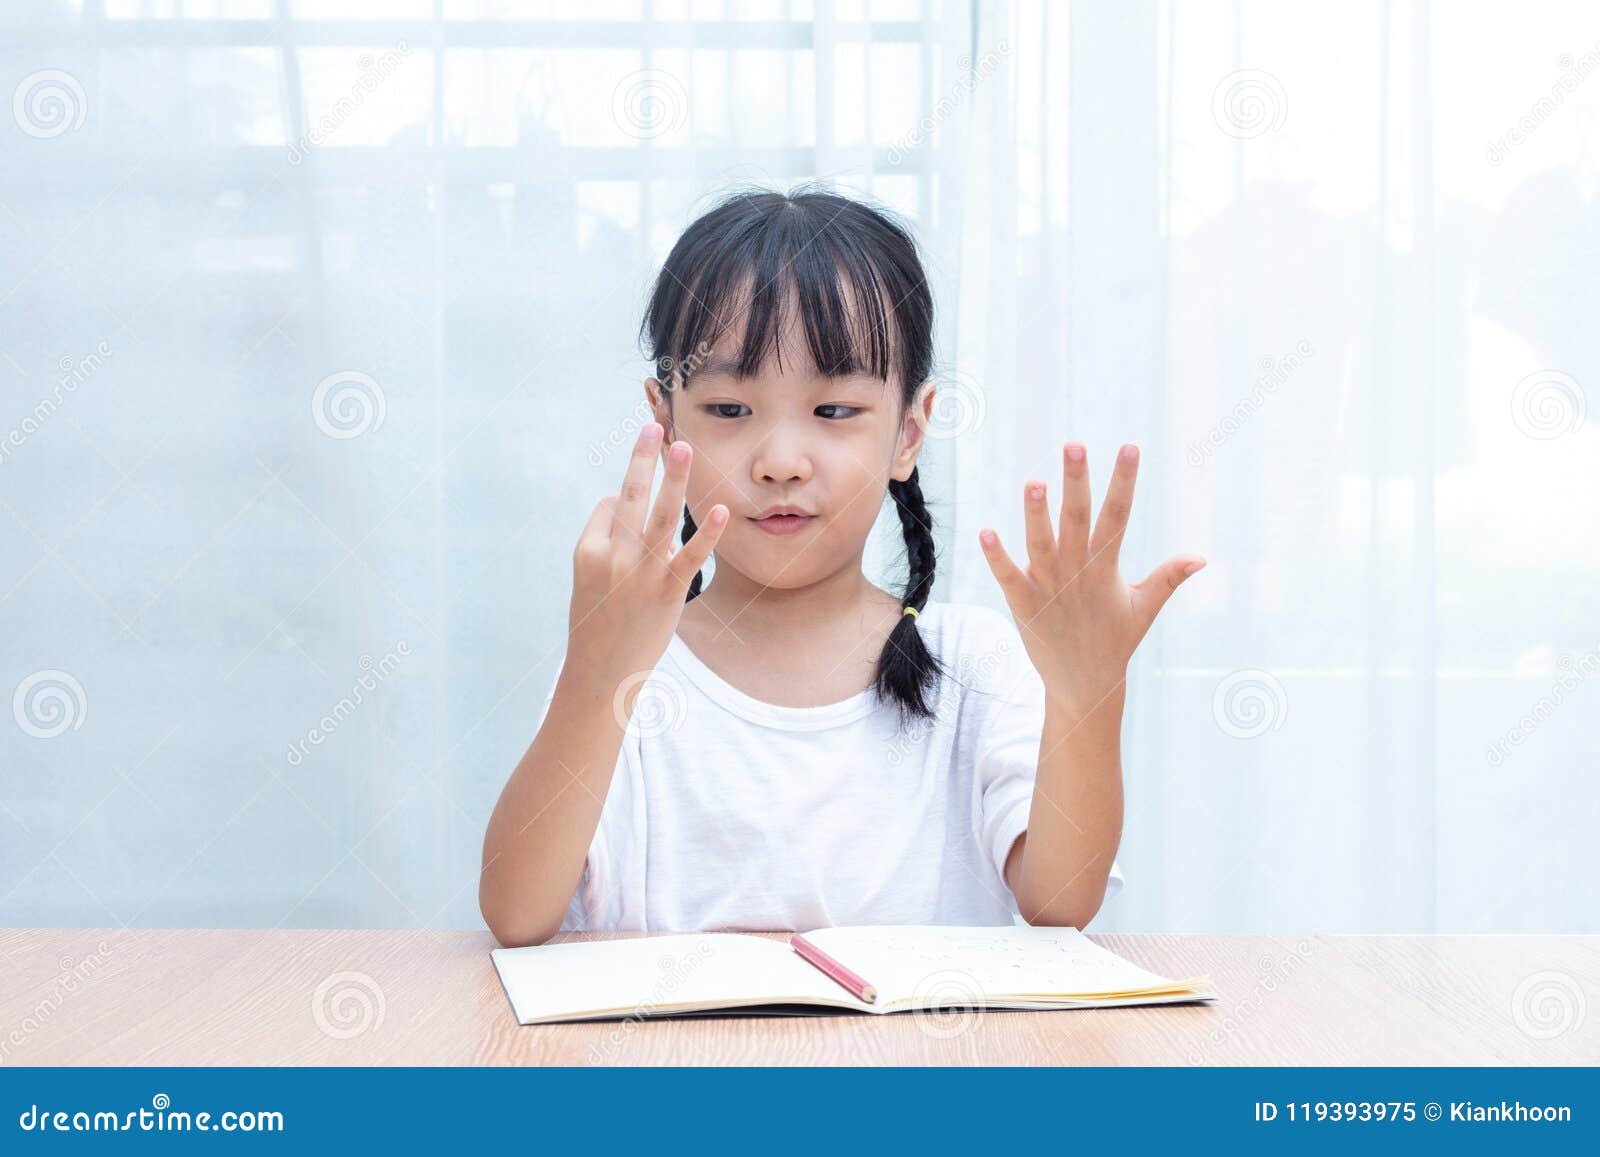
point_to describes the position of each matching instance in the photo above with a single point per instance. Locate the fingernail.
(1130, 453)
(1191, 568)
(679, 452)
(652, 431)
(1036, 491)
(1074, 452)
(987, 536)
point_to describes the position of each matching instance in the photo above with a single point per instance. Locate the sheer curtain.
(319, 342)
(1331, 267)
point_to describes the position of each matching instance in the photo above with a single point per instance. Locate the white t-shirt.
(729, 813)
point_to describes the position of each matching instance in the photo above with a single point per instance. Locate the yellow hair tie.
(912, 611)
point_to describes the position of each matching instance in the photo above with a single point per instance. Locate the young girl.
(790, 746)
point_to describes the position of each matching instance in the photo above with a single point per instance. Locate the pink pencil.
(856, 986)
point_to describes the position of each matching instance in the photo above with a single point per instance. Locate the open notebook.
(907, 967)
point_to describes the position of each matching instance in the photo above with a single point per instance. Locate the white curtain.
(1332, 267)
(319, 330)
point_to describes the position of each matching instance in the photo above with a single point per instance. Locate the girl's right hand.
(628, 588)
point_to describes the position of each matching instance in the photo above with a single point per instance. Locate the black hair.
(754, 250)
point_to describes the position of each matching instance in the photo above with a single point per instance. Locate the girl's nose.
(781, 463)
(798, 473)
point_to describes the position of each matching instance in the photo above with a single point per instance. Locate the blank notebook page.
(643, 972)
(915, 960)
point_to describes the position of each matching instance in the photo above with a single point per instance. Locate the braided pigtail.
(688, 533)
(907, 670)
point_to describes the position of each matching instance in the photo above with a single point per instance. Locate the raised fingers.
(594, 539)
(635, 493)
(1010, 577)
(668, 509)
(1106, 542)
(1041, 538)
(1074, 507)
(695, 552)
(1152, 594)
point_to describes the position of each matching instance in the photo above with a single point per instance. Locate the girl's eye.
(731, 410)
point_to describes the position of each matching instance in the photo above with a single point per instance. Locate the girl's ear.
(912, 432)
(656, 398)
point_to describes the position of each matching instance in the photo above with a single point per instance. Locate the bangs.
(763, 257)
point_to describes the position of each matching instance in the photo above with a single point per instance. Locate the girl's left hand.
(1079, 621)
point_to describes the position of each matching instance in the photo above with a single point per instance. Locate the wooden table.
(86, 996)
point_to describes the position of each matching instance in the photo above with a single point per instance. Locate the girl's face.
(790, 437)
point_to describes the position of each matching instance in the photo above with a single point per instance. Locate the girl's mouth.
(784, 523)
